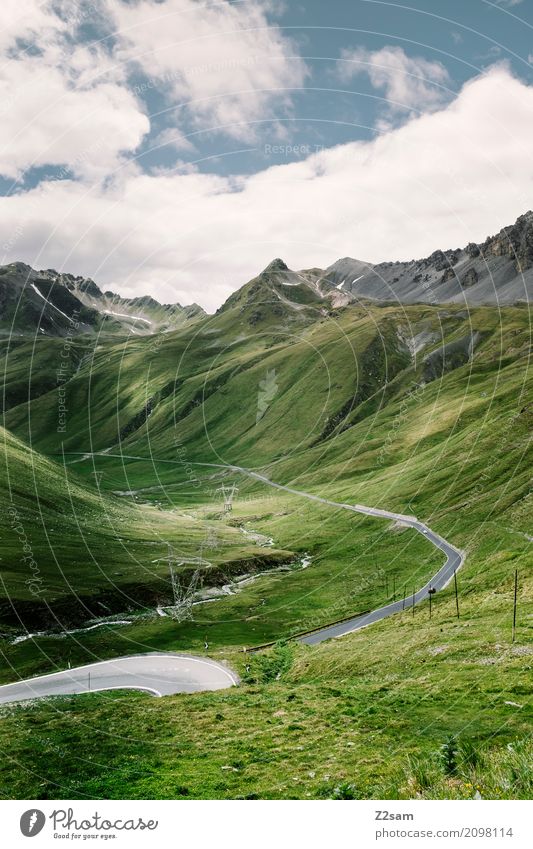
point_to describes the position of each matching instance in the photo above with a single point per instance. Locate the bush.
(470, 755)
(448, 756)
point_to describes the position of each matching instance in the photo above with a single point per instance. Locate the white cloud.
(24, 19)
(439, 181)
(174, 139)
(62, 103)
(224, 62)
(71, 104)
(49, 122)
(408, 83)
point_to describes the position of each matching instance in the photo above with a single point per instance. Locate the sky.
(175, 147)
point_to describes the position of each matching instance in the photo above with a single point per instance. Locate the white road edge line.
(68, 672)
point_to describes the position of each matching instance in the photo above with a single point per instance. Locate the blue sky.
(466, 37)
(173, 146)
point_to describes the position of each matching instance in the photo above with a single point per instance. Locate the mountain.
(51, 303)
(279, 295)
(420, 408)
(496, 271)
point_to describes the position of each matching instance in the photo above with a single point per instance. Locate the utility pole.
(184, 589)
(403, 603)
(456, 592)
(228, 494)
(414, 593)
(514, 605)
(97, 478)
(431, 593)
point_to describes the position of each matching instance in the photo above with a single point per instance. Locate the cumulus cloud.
(68, 103)
(48, 122)
(22, 20)
(223, 64)
(62, 103)
(441, 180)
(408, 83)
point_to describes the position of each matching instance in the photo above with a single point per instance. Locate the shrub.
(448, 756)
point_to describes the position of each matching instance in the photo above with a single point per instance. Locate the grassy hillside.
(70, 552)
(362, 717)
(398, 409)
(421, 410)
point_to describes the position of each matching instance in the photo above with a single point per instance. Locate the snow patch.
(35, 289)
(125, 315)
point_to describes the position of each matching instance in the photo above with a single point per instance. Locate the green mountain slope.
(394, 408)
(53, 304)
(421, 409)
(70, 552)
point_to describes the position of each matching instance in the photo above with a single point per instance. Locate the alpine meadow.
(142, 486)
(266, 274)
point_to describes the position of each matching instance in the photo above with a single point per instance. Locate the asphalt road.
(158, 674)
(454, 557)
(454, 560)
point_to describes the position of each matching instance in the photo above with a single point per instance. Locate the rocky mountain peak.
(515, 242)
(276, 265)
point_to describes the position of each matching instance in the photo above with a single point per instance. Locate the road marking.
(73, 674)
(438, 541)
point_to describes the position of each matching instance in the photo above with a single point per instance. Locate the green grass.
(371, 711)
(72, 552)
(365, 716)
(356, 563)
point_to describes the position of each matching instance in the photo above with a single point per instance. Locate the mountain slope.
(419, 409)
(436, 412)
(52, 304)
(71, 552)
(497, 271)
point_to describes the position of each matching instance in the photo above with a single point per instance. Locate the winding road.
(166, 673)
(454, 560)
(454, 556)
(161, 674)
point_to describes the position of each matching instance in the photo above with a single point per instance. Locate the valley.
(193, 499)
